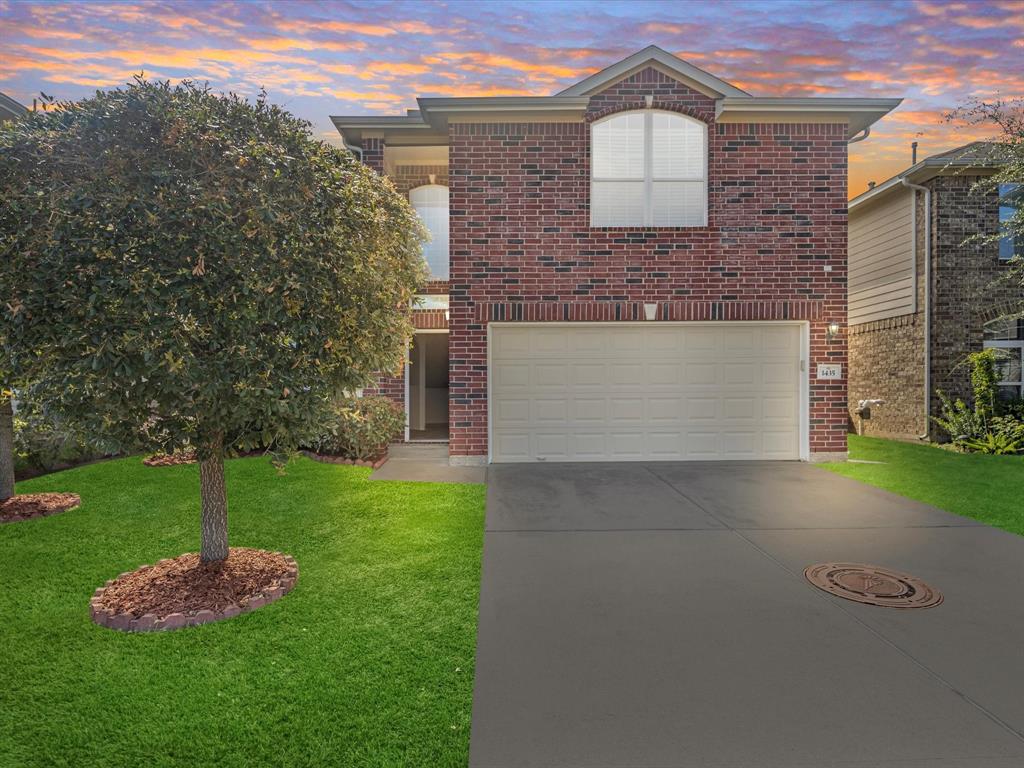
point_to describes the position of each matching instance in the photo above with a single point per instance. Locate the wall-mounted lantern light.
(833, 330)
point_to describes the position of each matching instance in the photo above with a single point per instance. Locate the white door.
(645, 392)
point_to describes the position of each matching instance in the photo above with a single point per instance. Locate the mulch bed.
(375, 463)
(26, 506)
(184, 592)
(170, 459)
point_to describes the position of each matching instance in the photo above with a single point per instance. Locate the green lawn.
(368, 662)
(987, 488)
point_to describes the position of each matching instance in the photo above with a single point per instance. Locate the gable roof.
(429, 123)
(9, 108)
(976, 154)
(660, 59)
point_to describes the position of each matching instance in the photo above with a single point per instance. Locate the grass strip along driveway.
(986, 488)
(368, 662)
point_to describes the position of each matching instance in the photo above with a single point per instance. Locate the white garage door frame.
(805, 356)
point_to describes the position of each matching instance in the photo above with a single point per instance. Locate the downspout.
(927, 291)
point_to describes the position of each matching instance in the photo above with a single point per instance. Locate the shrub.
(43, 443)
(996, 443)
(1013, 407)
(362, 428)
(984, 382)
(957, 420)
(1009, 427)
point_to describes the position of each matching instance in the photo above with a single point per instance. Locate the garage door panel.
(626, 445)
(626, 375)
(702, 408)
(665, 446)
(778, 409)
(549, 342)
(633, 392)
(625, 410)
(701, 373)
(549, 375)
(740, 408)
(588, 375)
(662, 410)
(664, 374)
(588, 446)
(744, 374)
(780, 374)
(550, 410)
(702, 445)
(512, 413)
(740, 341)
(551, 444)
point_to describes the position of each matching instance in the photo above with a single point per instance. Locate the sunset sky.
(325, 58)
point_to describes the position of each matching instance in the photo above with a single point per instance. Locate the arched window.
(431, 203)
(648, 168)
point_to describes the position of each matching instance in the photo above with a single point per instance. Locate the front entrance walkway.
(427, 463)
(635, 616)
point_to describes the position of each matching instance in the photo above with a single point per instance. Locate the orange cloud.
(497, 61)
(306, 25)
(811, 60)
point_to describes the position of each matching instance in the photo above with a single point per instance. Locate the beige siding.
(881, 260)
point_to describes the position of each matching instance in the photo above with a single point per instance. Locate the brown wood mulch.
(170, 459)
(376, 462)
(183, 591)
(26, 506)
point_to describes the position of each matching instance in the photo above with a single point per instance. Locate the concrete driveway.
(656, 615)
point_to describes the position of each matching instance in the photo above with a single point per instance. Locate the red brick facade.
(522, 247)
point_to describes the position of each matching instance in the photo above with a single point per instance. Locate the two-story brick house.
(648, 265)
(922, 296)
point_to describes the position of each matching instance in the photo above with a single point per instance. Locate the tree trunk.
(6, 448)
(214, 518)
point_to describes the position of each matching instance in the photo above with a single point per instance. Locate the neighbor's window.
(431, 203)
(1008, 337)
(648, 169)
(1011, 199)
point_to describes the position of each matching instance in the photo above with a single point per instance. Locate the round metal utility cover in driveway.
(873, 585)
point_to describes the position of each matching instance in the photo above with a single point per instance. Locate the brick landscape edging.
(326, 459)
(125, 622)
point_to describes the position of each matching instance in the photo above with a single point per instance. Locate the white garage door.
(591, 392)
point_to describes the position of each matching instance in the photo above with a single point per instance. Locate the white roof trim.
(858, 114)
(925, 169)
(652, 53)
(11, 107)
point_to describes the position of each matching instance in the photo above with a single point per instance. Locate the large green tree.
(183, 268)
(1004, 153)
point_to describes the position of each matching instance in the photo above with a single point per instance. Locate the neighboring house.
(921, 299)
(648, 265)
(9, 108)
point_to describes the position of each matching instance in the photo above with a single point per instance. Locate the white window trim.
(649, 177)
(1017, 344)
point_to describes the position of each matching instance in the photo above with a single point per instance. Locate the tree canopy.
(196, 264)
(181, 267)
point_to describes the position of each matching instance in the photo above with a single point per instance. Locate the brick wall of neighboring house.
(887, 363)
(522, 246)
(967, 289)
(887, 356)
